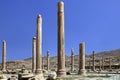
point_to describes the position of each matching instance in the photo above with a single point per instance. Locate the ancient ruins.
(82, 70)
(61, 72)
(72, 60)
(4, 56)
(79, 66)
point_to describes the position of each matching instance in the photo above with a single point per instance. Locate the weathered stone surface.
(39, 45)
(82, 70)
(25, 76)
(102, 63)
(3, 77)
(93, 62)
(39, 77)
(110, 63)
(72, 60)
(12, 78)
(61, 72)
(33, 54)
(51, 75)
(4, 56)
(89, 70)
(48, 60)
(100, 69)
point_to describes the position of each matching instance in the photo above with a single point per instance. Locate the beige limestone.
(93, 62)
(61, 72)
(72, 60)
(82, 70)
(39, 45)
(89, 63)
(110, 63)
(48, 60)
(33, 54)
(4, 56)
(43, 63)
(102, 63)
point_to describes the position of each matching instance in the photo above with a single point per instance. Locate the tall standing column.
(43, 62)
(33, 54)
(61, 72)
(4, 56)
(89, 64)
(110, 63)
(102, 63)
(82, 59)
(39, 45)
(72, 60)
(93, 62)
(48, 60)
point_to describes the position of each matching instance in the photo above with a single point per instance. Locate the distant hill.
(111, 53)
(115, 54)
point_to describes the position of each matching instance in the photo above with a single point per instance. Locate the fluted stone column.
(61, 72)
(4, 56)
(110, 63)
(93, 62)
(33, 54)
(48, 60)
(39, 45)
(82, 70)
(72, 60)
(89, 64)
(43, 62)
(102, 63)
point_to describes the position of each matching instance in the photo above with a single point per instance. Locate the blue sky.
(95, 22)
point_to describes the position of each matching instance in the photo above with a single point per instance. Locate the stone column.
(61, 72)
(110, 63)
(89, 64)
(43, 62)
(93, 62)
(39, 45)
(48, 60)
(72, 60)
(33, 54)
(102, 63)
(82, 59)
(4, 56)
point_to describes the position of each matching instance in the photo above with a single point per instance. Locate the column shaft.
(48, 60)
(102, 63)
(34, 54)
(93, 62)
(61, 55)
(110, 64)
(4, 56)
(39, 45)
(72, 60)
(82, 59)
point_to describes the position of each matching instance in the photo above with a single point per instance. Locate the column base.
(33, 71)
(38, 71)
(89, 70)
(39, 77)
(93, 70)
(4, 70)
(61, 73)
(82, 72)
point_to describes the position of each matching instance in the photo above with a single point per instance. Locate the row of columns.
(37, 49)
(101, 62)
(37, 43)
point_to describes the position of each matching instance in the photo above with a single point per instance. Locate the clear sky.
(95, 22)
